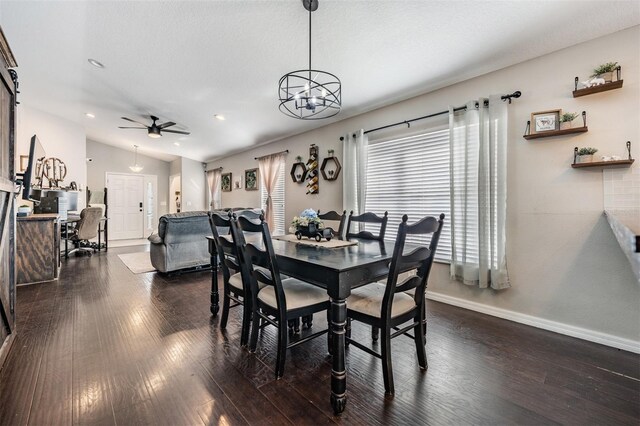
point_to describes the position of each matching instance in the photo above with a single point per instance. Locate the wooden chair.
(367, 217)
(235, 288)
(335, 216)
(280, 300)
(387, 306)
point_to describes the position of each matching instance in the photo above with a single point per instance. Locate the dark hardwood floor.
(105, 346)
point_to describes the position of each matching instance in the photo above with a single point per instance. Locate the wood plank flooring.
(105, 346)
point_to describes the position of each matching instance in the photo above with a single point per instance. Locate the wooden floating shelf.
(619, 163)
(597, 89)
(561, 132)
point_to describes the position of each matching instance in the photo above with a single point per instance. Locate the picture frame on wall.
(251, 179)
(545, 121)
(225, 182)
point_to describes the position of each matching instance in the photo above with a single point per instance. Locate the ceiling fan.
(155, 130)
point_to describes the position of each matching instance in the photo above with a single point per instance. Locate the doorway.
(175, 194)
(132, 200)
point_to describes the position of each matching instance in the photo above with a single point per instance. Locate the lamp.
(136, 168)
(310, 94)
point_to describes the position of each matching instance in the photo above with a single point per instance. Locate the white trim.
(556, 327)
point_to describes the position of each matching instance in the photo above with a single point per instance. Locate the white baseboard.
(557, 327)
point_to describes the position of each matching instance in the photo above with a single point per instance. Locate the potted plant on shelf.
(566, 119)
(605, 71)
(585, 155)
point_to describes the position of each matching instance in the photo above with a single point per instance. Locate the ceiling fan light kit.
(310, 94)
(155, 130)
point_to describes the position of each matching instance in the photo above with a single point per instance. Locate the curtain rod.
(286, 151)
(515, 94)
(211, 170)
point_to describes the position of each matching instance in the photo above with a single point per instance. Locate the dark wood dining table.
(338, 270)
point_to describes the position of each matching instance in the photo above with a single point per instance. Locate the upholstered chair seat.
(298, 294)
(368, 300)
(235, 281)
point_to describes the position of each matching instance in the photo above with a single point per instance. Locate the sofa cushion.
(184, 221)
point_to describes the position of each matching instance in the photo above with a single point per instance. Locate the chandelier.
(136, 168)
(310, 94)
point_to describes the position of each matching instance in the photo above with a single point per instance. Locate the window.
(410, 175)
(278, 201)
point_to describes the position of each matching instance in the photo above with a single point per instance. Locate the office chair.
(86, 229)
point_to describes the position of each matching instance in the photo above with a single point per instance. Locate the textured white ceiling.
(186, 61)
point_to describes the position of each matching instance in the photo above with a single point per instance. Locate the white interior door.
(125, 200)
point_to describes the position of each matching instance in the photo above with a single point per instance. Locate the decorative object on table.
(312, 170)
(237, 184)
(24, 162)
(225, 182)
(566, 119)
(298, 170)
(251, 179)
(310, 94)
(605, 71)
(136, 168)
(545, 121)
(331, 167)
(309, 225)
(583, 155)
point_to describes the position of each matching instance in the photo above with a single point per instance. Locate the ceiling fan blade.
(140, 128)
(177, 131)
(134, 121)
(167, 124)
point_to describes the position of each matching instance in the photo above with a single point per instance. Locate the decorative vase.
(607, 76)
(585, 158)
(566, 125)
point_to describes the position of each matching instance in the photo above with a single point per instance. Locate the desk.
(338, 270)
(37, 248)
(74, 218)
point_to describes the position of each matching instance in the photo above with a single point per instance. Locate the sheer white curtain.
(269, 171)
(354, 180)
(479, 193)
(213, 181)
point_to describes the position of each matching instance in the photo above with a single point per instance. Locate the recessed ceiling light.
(89, 115)
(176, 143)
(95, 63)
(220, 117)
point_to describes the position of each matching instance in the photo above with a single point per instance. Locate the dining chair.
(387, 306)
(235, 288)
(279, 301)
(365, 218)
(337, 217)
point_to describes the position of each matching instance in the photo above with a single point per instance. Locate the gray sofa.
(181, 241)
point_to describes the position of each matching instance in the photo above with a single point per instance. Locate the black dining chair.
(387, 306)
(279, 301)
(365, 218)
(335, 217)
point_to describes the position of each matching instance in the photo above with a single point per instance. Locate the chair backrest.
(251, 214)
(420, 258)
(368, 217)
(260, 259)
(89, 222)
(335, 216)
(227, 251)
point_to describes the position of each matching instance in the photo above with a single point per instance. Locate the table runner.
(334, 243)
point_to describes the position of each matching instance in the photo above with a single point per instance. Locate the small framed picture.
(251, 179)
(225, 183)
(237, 184)
(24, 162)
(545, 121)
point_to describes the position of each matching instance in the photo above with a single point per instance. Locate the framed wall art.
(225, 182)
(545, 121)
(251, 179)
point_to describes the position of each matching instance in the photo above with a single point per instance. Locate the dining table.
(338, 270)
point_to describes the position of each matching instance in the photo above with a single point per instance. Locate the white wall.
(566, 268)
(107, 158)
(193, 186)
(60, 138)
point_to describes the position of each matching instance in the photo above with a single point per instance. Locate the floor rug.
(138, 263)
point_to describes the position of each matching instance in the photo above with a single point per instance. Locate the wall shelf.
(619, 163)
(561, 132)
(597, 89)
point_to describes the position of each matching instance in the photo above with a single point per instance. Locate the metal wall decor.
(310, 94)
(331, 167)
(312, 170)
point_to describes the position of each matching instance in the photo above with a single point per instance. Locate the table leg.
(66, 241)
(215, 298)
(338, 370)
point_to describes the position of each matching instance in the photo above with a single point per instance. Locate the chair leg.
(419, 340)
(246, 323)
(225, 307)
(347, 332)
(282, 348)
(375, 333)
(294, 326)
(387, 369)
(253, 342)
(307, 321)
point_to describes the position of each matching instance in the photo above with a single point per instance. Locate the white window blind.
(278, 201)
(410, 175)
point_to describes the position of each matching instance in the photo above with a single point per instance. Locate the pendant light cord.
(310, 41)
